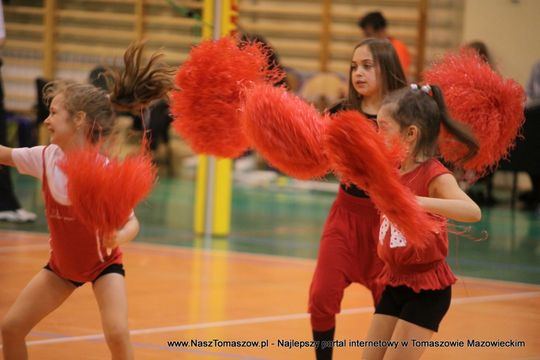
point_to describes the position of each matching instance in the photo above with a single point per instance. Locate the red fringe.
(104, 193)
(286, 131)
(479, 97)
(206, 108)
(359, 155)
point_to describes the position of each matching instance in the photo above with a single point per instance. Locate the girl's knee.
(324, 300)
(117, 334)
(323, 307)
(13, 328)
(119, 343)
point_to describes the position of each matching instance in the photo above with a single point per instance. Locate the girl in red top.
(418, 281)
(80, 114)
(348, 246)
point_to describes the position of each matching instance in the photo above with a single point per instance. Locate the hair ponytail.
(460, 131)
(138, 84)
(135, 86)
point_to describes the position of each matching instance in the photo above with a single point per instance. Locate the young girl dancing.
(80, 114)
(347, 256)
(418, 281)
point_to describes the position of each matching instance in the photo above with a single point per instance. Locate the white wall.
(510, 29)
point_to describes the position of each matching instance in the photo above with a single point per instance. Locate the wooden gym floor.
(253, 286)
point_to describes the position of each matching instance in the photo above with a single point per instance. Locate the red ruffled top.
(404, 264)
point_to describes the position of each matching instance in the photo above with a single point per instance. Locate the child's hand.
(122, 235)
(111, 241)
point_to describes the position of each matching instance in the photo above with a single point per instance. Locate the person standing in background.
(10, 208)
(485, 198)
(533, 87)
(482, 50)
(373, 25)
(532, 111)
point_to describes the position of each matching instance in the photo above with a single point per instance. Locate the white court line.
(266, 319)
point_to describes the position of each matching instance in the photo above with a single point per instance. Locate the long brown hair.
(134, 86)
(391, 72)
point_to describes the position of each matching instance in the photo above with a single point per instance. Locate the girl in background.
(348, 246)
(10, 207)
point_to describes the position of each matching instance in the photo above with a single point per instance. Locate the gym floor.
(254, 284)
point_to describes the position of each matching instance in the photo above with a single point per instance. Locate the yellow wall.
(510, 29)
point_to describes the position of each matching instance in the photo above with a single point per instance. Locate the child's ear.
(412, 133)
(80, 119)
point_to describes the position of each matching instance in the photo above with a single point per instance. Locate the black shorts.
(426, 308)
(113, 268)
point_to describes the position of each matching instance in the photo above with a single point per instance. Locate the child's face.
(388, 127)
(61, 127)
(364, 72)
(393, 133)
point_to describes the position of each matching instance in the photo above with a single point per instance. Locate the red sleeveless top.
(404, 264)
(77, 253)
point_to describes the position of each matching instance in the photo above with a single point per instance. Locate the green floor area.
(288, 222)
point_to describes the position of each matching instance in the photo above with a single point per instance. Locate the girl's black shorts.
(426, 308)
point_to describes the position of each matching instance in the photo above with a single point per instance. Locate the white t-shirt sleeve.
(56, 179)
(29, 161)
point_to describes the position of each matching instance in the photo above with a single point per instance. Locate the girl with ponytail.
(84, 241)
(418, 281)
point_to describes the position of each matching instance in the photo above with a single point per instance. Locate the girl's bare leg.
(381, 328)
(110, 292)
(407, 331)
(43, 294)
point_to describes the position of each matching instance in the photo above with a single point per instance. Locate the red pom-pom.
(479, 97)
(103, 192)
(206, 107)
(359, 155)
(286, 131)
